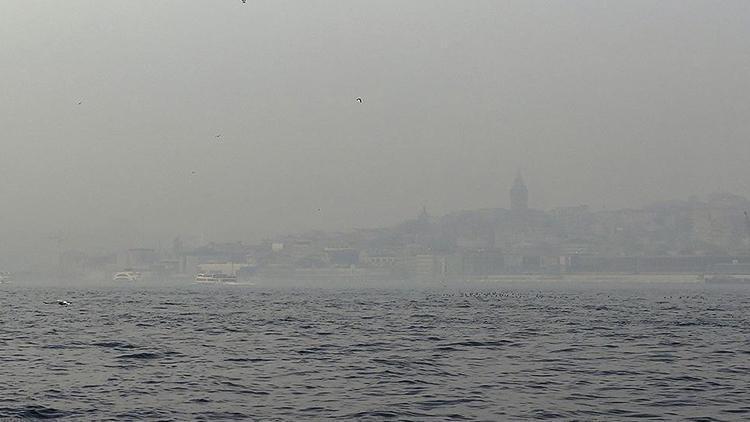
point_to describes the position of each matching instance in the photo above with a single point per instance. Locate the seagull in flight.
(80, 102)
(359, 100)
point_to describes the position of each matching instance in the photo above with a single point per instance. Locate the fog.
(230, 121)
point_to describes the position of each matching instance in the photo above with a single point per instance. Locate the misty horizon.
(111, 112)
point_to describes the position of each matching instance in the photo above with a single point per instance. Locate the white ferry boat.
(127, 276)
(212, 278)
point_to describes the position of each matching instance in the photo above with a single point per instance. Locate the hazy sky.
(608, 103)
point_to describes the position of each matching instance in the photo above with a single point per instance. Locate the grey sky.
(609, 103)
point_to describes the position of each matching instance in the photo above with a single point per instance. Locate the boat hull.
(126, 276)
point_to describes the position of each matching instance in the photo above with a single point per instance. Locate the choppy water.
(512, 352)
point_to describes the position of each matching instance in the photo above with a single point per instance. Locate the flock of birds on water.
(485, 295)
(519, 295)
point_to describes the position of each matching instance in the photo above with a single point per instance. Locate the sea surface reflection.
(496, 352)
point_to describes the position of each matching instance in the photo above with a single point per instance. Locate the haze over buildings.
(606, 103)
(693, 236)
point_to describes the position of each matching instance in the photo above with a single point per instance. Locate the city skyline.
(700, 226)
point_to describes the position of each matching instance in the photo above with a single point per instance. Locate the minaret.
(424, 219)
(519, 195)
(424, 216)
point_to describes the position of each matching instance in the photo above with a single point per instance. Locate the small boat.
(127, 275)
(734, 273)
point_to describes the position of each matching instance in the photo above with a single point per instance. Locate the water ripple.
(516, 352)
